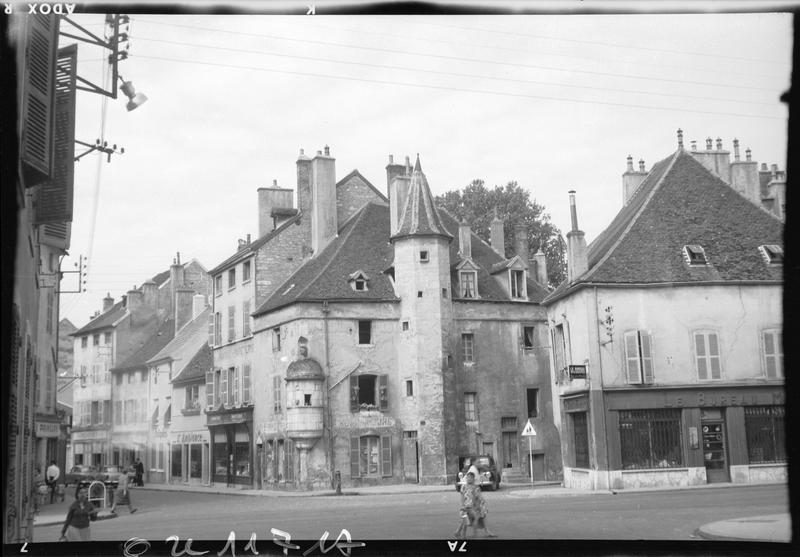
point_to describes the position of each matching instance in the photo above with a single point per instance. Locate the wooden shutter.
(355, 468)
(223, 386)
(700, 355)
(383, 392)
(210, 388)
(246, 384)
(713, 355)
(289, 460)
(38, 94)
(647, 356)
(211, 329)
(354, 406)
(386, 455)
(633, 370)
(236, 395)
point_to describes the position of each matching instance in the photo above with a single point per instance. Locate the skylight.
(695, 255)
(772, 253)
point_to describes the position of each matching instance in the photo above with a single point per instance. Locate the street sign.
(528, 430)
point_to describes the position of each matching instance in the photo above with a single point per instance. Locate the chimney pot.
(274, 183)
(573, 210)
(327, 151)
(391, 159)
(763, 167)
(736, 150)
(694, 145)
(302, 152)
(630, 163)
(719, 144)
(248, 239)
(680, 138)
(641, 165)
(319, 153)
(748, 155)
(709, 144)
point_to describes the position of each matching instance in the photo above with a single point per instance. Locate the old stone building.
(667, 335)
(402, 343)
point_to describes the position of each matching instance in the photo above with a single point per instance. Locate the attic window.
(695, 255)
(772, 253)
(424, 256)
(359, 281)
(468, 284)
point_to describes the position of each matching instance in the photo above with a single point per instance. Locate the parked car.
(81, 474)
(489, 476)
(112, 475)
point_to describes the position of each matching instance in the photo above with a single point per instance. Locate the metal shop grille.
(766, 437)
(650, 439)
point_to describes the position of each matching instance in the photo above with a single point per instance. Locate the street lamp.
(135, 100)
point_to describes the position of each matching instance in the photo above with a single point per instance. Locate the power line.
(462, 59)
(454, 74)
(447, 88)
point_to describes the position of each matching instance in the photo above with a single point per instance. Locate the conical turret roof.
(419, 216)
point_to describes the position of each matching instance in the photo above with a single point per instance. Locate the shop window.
(177, 461)
(220, 458)
(706, 351)
(533, 403)
(638, 357)
(580, 434)
(772, 344)
(470, 407)
(365, 332)
(241, 459)
(766, 434)
(369, 392)
(468, 347)
(650, 439)
(195, 461)
(371, 456)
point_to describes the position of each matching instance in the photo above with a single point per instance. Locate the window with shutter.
(38, 92)
(246, 318)
(210, 388)
(231, 323)
(354, 404)
(235, 374)
(707, 360)
(246, 384)
(211, 340)
(383, 392)
(223, 387)
(638, 357)
(773, 353)
(355, 468)
(386, 456)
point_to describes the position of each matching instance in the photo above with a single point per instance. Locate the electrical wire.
(452, 74)
(461, 89)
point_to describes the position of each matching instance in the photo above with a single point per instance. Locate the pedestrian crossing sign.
(528, 430)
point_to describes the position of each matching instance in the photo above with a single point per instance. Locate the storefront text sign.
(362, 421)
(47, 429)
(190, 437)
(89, 435)
(233, 418)
(719, 399)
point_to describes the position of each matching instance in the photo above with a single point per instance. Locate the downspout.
(325, 311)
(602, 396)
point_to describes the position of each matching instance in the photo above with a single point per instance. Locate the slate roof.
(186, 344)
(154, 343)
(681, 203)
(419, 216)
(252, 247)
(196, 369)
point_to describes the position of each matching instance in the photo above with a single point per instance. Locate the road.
(661, 515)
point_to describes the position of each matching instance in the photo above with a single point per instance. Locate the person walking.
(51, 477)
(139, 473)
(79, 517)
(122, 496)
(475, 507)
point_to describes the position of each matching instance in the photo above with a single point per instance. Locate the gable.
(352, 193)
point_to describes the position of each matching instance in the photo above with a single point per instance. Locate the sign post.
(529, 432)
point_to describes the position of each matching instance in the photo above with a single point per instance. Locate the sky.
(554, 102)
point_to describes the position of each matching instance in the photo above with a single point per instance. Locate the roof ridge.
(633, 219)
(369, 184)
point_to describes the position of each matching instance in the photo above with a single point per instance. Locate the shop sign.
(188, 437)
(578, 404)
(47, 429)
(233, 418)
(701, 399)
(88, 435)
(577, 372)
(364, 422)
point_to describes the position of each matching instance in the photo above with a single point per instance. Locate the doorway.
(410, 457)
(715, 457)
(510, 449)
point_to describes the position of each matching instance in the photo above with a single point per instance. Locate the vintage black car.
(489, 476)
(112, 475)
(81, 474)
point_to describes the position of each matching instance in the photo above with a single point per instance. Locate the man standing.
(139, 473)
(51, 478)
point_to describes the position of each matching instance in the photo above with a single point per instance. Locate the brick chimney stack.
(108, 302)
(464, 240)
(324, 226)
(577, 254)
(270, 199)
(497, 235)
(184, 306)
(632, 179)
(399, 181)
(717, 161)
(744, 175)
(540, 261)
(521, 244)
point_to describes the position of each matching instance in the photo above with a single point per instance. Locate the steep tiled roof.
(681, 203)
(151, 346)
(195, 370)
(419, 216)
(185, 345)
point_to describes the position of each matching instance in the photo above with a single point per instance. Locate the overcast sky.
(555, 102)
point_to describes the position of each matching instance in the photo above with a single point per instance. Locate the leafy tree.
(476, 204)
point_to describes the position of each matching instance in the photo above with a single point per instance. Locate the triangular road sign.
(528, 430)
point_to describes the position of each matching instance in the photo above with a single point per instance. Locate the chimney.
(497, 235)
(304, 185)
(108, 302)
(399, 181)
(150, 295)
(631, 180)
(323, 206)
(680, 138)
(135, 304)
(176, 277)
(270, 199)
(464, 240)
(744, 175)
(184, 306)
(540, 260)
(717, 161)
(521, 243)
(577, 255)
(198, 305)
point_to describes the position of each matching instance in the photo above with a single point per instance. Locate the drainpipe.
(325, 311)
(602, 398)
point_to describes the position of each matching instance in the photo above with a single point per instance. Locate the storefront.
(231, 439)
(91, 447)
(682, 436)
(48, 432)
(189, 462)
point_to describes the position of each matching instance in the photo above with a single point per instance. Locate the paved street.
(663, 515)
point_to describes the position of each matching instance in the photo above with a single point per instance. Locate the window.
(217, 329)
(559, 350)
(128, 417)
(695, 255)
(533, 403)
(96, 375)
(365, 332)
(371, 456)
(468, 347)
(766, 435)
(419, 293)
(306, 399)
(84, 342)
(580, 433)
(706, 346)
(360, 285)
(117, 412)
(470, 408)
(409, 387)
(444, 293)
(405, 325)
(210, 376)
(49, 318)
(232, 279)
(96, 339)
(638, 357)
(223, 387)
(97, 412)
(772, 254)
(246, 318)
(246, 384)
(86, 414)
(233, 397)
(424, 256)
(527, 337)
(468, 284)
(276, 339)
(277, 396)
(773, 353)
(218, 285)
(517, 278)
(245, 271)
(192, 397)
(107, 339)
(369, 392)
(231, 323)
(650, 439)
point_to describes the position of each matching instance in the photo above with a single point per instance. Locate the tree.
(476, 204)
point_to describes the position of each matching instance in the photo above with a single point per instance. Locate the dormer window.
(468, 284)
(517, 283)
(772, 254)
(424, 256)
(695, 255)
(359, 281)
